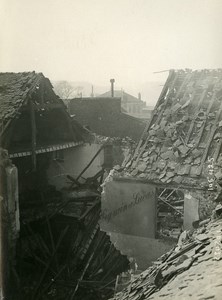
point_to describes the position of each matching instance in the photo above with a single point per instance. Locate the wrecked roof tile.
(181, 267)
(170, 174)
(178, 179)
(195, 171)
(172, 165)
(186, 104)
(183, 169)
(146, 158)
(182, 121)
(142, 175)
(177, 143)
(134, 172)
(197, 161)
(196, 153)
(183, 149)
(161, 164)
(14, 90)
(167, 155)
(145, 154)
(188, 160)
(142, 167)
(175, 107)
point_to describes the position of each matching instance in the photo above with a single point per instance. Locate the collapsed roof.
(184, 135)
(62, 252)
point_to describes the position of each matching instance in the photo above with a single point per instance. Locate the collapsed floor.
(61, 252)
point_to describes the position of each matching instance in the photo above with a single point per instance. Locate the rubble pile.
(122, 148)
(184, 132)
(62, 254)
(170, 210)
(180, 273)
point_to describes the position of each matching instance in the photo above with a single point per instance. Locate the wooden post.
(33, 134)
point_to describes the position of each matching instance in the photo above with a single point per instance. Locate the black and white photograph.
(110, 149)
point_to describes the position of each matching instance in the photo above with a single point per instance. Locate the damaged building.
(50, 191)
(174, 175)
(191, 270)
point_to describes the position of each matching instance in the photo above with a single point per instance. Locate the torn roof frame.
(184, 135)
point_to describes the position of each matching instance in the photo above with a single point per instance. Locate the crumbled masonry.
(192, 270)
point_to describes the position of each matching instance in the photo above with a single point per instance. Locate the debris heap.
(184, 135)
(62, 254)
(192, 270)
(170, 210)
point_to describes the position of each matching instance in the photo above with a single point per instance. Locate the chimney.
(112, 87)
(92, 93)
(139, 96)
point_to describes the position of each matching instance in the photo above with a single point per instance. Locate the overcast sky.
(95, 40)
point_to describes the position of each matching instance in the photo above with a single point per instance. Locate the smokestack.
(92, 93)
(112, 87)
(139, 96)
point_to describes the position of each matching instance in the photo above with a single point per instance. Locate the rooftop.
(15, 89)
(184, 135)
(123, 95)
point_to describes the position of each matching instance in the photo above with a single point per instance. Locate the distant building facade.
(131, 105)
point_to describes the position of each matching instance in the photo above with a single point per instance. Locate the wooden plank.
(179, 212)
(162, 95)
(84, 270)
(62, 235)
(186, 80)
(91, 161)
(172, 86)
(195, 116)
(210, 104)
(170, 185)
(159, 117)
(88, 210)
